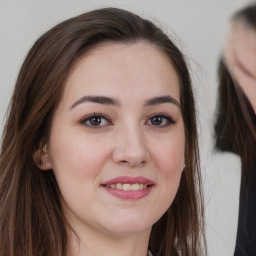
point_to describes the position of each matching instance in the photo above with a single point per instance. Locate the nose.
(131, 148)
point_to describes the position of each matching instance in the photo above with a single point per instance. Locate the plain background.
(199, 28)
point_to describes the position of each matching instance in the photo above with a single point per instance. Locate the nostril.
(132, 163)
(142, 163)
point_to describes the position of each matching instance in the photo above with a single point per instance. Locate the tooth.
(135, 187)
(127, 187)
(119, 186)
(140, 186)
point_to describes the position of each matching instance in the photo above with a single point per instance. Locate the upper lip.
(129, 180)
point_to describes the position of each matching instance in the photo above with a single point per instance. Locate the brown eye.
(157, 120)
(160, 121)
(96, 121)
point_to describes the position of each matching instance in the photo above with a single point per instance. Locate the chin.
(130, 225)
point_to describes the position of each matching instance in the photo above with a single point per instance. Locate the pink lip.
(129, 195)
(129, 180)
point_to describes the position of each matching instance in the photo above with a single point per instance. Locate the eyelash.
(90, 118)
(169, 120)
(87, 121)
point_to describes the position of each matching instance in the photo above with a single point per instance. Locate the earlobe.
(42, 158)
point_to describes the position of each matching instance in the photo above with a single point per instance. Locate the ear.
(42, 158)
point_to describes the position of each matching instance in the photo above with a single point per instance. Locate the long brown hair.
(32, 222)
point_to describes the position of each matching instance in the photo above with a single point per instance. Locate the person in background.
(235, 126)
(99, 152)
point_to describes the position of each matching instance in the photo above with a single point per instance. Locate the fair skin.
(117, 147)
(240, 56)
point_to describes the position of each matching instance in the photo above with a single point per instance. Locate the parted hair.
(31, 218)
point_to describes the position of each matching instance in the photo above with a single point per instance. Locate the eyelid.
(169, 118)
(88, 117)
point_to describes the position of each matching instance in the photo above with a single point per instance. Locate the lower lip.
(132, 195)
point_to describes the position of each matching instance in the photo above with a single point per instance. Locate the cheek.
(170, 155)
(77, 164)
(169, 160)
(76, 156)
(170, 169)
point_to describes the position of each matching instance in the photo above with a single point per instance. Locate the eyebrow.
(110, 101)
(96, 99)
(161, 100)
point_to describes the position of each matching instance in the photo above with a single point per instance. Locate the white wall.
(200, 27)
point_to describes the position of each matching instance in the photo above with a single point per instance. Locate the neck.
(97, 244)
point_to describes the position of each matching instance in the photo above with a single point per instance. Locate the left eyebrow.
(161, 100)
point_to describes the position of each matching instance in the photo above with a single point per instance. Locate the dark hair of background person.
(235, 120)
(247, 15)
(32, 222)
(235, 126)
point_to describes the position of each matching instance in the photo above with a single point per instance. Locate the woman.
(236, 122)
(100, 127)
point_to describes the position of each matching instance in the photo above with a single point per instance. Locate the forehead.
(241, 32)
(241, 41)
(122, 68)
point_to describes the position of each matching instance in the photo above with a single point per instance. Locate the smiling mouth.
(131, 188)
(128, 187)
(127, 191)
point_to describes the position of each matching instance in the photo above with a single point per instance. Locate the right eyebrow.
(96, 99)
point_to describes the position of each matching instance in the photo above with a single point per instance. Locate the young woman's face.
(117, 139)
(240, 55)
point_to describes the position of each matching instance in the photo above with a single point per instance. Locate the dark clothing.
(246, 232)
